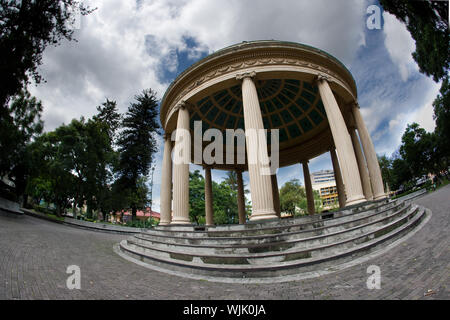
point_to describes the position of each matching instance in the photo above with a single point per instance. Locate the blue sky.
(126, 46)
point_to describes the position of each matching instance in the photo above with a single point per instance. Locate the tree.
(224, 200)
(20, 124)
(109, 115)
(441, 107)
(78, 154)
(110, 119)
(53, 169)
(225, 203)
(27, 28)
(416, 149)
(427, 22)
(386, 169)
(401, 174)
(197, 197)
(292, 195)
(231, 180)
(137, 143)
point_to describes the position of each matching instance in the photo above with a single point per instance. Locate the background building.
(324, 182)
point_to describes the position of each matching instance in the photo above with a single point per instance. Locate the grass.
(406, 193)
(443, 184)
(45, 212)
(54, 217)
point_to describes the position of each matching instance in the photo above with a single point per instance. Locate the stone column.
(182, 156)
(308, 188)
(166, 183)
(338, 177)
(240, 197)
(365, 180)
(371, 156)
(256, 144)
(209, 211)
(343, 143)
(276, 195)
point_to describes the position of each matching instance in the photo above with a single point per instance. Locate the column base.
(164, 223)
(380, 196)
(356, 200)
(263, 215)
(181, 220)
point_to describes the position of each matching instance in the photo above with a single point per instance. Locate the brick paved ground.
(34, 255)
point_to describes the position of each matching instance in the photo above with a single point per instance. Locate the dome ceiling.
(292, 106)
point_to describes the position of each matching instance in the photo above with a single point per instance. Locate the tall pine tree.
(137, 145)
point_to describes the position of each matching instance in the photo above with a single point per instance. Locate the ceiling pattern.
(292, 106)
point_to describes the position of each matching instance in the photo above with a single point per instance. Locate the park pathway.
(34, 256)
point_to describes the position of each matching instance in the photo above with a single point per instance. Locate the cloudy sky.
(129, 45)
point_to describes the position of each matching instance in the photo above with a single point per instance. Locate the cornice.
(240, 59)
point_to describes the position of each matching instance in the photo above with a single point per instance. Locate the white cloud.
(399, 44)
(114, 59)
(122, 48)
(424, 115)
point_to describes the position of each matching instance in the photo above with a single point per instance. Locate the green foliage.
(20, 123)
(419, 150)
(225, 203)
(385, 166)
(39, 189)
(27, 28)
(401, 174)
(224, 200)
(420, 154)
(292, 195)
(109, 115)
(141, 223)
(427, 22)
(137, 145)
(441, 106)
(196, 197)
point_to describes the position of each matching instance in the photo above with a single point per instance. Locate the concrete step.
(282, 250)
(282, 242)
(270, 264)
(298, 231)
(255, 231)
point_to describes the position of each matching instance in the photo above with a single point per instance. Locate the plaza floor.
(35, 254)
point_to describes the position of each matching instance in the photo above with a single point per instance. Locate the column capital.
(242, 76)
(167, 135)
(321, 77)
(304, 162)
(181, 105)
(355, 104)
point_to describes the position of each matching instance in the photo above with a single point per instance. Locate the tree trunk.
(58, 209)
(25, 201)
(133, 214)
(89, 210)
(75, 209)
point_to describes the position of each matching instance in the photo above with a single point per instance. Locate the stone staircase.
(275, 248)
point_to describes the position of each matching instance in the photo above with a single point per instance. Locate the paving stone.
(34, 256)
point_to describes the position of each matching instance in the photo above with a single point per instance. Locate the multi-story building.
(323, 181)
